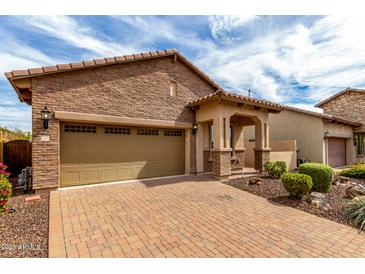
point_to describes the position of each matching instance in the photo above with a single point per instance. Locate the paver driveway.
(188, 217)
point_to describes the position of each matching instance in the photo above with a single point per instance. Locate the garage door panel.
(100, 157)
(337, 152)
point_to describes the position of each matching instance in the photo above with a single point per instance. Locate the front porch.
(221, 119)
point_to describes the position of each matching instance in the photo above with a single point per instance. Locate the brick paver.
(188, 217)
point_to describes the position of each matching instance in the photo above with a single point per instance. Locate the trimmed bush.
(355, 212)
(298, 185)
(275, 169)
(5, 188)
(357, 171)
(322, 175)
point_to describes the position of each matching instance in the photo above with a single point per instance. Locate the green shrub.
(357, 171)
(5, 188)
(355, 212)
(275, 169)
(322, 175)
(298, 185)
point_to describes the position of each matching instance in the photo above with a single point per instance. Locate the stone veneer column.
(221, 163)
(261, 157)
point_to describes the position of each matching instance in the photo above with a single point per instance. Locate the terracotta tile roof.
(324, 116)
(237, 98)
(267, 104)
(32, 72)
(338, 94)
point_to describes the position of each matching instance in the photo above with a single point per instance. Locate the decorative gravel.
(273, 190)
(24, 232)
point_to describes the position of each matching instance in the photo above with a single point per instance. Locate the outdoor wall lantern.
(46, 116)
(195, 128)
(326, 134)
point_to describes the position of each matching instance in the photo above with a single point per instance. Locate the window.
(147, 131)
(173, 133)
(117, 130)
(359, 141)
(80, 128)
(173, 88)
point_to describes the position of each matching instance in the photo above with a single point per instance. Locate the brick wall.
(136, 90)
(350, 105)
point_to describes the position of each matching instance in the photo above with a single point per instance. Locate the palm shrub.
(298, 185)
(355, 212)
(275, 169)
(5, 188)
(322, 175)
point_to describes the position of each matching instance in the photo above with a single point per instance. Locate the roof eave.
(224, 97)
(321, 103)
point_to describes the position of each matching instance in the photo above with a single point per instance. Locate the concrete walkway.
(189, 216)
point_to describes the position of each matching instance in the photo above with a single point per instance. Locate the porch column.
(262, 149)
(221, 150)
(238, 146)
(200, 149)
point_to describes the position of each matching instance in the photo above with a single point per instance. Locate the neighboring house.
(335, 137)
(349, 104)
(136, 116)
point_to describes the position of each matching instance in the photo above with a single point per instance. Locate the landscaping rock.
(341, 180)
(355, 190)
(254, 181)
(317, 199)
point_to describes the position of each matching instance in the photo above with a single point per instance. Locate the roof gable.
(20, 79)
(320, 104)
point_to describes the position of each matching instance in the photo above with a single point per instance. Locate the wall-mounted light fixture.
(46, 116)
(195, 128)
(327, 134)
(355, 139)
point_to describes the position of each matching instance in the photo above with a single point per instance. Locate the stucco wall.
(291, 125)
(137, 90)
(280, 151)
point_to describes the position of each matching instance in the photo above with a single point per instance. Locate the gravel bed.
(24, 233)
(273, 190)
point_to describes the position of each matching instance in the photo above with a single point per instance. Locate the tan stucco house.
(335, 137)
(137, 116)
(155, 114)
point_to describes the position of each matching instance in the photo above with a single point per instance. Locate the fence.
(17, 154)
(280, 151)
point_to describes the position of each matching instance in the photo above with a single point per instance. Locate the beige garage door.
(337, 152)
(94, 154)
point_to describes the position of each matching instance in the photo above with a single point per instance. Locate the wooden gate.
(17, 155)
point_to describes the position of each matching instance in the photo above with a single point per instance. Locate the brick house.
(150, 115)
(136, 116)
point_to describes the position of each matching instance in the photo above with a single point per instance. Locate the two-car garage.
(104, 153)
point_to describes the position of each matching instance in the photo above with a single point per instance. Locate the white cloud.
(306, 107)
(16, 117)
(73, 33)
(222, 24)
(155, 29)
(327, 56)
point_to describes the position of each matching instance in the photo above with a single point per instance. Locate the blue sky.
(294, 60)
